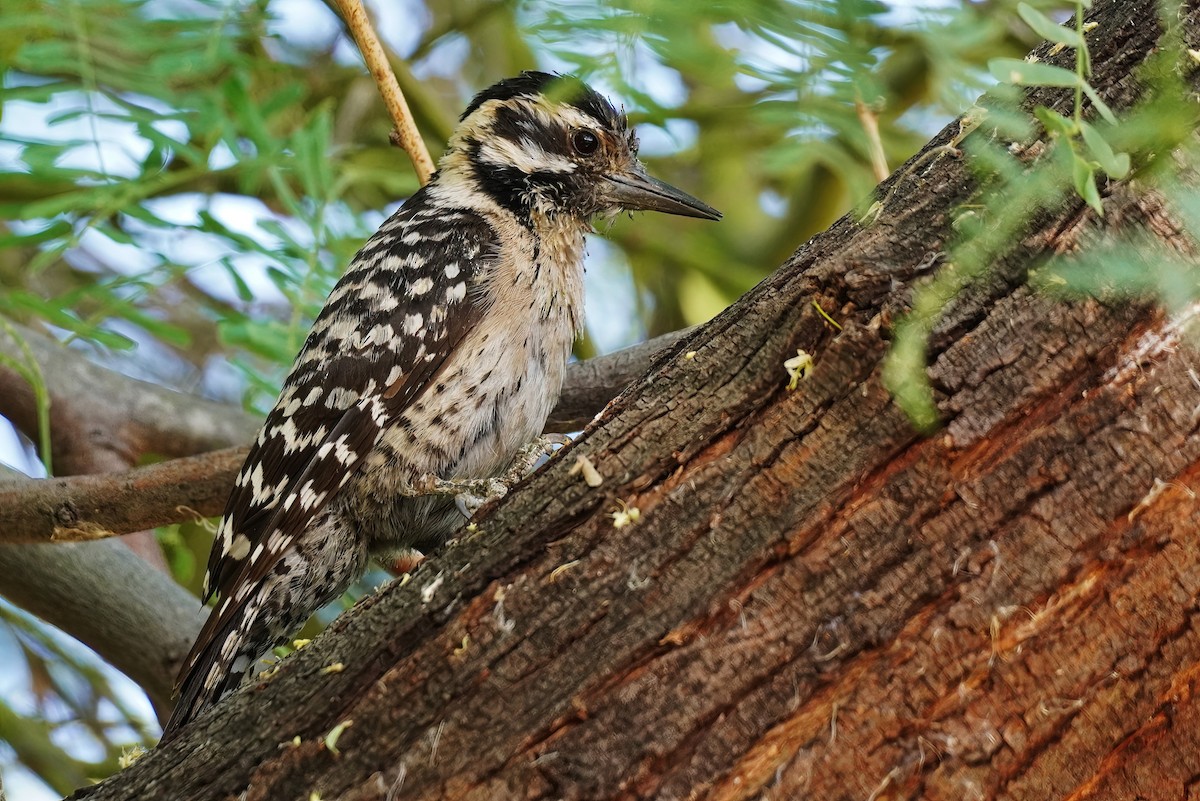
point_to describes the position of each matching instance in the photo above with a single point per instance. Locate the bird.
(437, 356)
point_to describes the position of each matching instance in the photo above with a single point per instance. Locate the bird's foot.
(471, 493)
(528, 457)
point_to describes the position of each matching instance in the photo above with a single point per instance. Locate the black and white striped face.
(548, 145)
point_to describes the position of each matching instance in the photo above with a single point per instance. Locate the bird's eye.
(585, 142)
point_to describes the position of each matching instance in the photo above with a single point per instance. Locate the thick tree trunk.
(813, 601)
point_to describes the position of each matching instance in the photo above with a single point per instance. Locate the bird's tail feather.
(216, 668)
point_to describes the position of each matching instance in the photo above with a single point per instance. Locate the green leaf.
(244, 293)
(52, 313)
(160, 329)
(1047, 28)
(269, 340)
(49, 207)
(144, 215)
(905, 377)
(1137, 268)
(237, 95)
(1055, 123)
(1185, 203)
(1116, 165)
(54, 230)
(1031, 73)
(37, 93)
(1099, 103)
(1084, 178)
(311, 146)
(179, 557)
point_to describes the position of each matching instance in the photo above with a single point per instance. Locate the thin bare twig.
(870, 124)
(406, 134)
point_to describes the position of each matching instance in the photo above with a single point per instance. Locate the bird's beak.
(634, 190)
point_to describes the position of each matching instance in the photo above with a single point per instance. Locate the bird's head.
(542, 144)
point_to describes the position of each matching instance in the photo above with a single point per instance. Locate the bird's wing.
(386, 331)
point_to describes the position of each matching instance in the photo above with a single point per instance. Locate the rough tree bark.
(146, 626)
(815, 601)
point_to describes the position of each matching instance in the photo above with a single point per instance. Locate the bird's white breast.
(497, 388)
(518, 355)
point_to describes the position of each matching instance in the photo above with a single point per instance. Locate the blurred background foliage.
(182, 181)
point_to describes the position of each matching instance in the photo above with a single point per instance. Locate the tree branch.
(102, 416)
(406, 135)
(101, 593)
(95, 506)
(104, 595)
(592, 384)
(99, 505)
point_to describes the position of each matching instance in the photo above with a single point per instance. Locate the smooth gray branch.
(94, 409)
(104, 595)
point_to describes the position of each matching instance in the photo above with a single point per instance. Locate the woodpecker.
(440, 353)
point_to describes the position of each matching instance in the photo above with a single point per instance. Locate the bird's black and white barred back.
(440, 352)
(389, 325)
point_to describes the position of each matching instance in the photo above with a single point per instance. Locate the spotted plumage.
(440, 352)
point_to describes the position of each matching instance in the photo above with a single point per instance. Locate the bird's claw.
(469, 493)
(472, 493)
(469, 502)
(527, 458)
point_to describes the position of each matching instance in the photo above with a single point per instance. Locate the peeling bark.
(814, 601)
